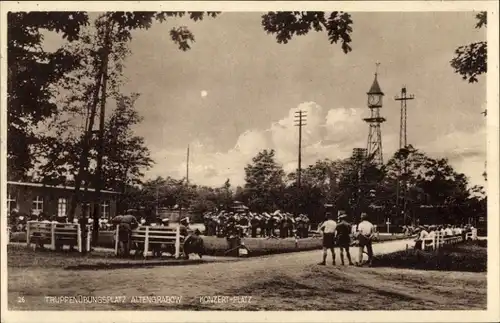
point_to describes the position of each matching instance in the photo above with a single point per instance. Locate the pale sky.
(235, 92)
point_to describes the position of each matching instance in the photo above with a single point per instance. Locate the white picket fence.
(155, 235)
(440, 239)
(471, 235)
(56, 234)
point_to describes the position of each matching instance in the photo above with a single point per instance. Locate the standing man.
(343, 237)
(328, 228)
(365, 235)
(83, 222)
(125, 223)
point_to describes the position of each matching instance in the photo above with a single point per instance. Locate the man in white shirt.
(365, 234)
(328, 229)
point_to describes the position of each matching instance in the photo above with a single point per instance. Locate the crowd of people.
(17, 221)
(244, 224)
(428, 232)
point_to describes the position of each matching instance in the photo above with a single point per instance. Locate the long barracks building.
(35, 198)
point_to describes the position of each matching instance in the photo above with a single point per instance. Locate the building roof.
(375, 88)
(56, 186)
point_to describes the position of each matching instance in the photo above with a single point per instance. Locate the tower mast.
(403, 144)
(374, 145)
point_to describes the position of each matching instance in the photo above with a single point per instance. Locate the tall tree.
(431, 183)
(31, 73)
(115, 27)
(126, 155)
(264, 181)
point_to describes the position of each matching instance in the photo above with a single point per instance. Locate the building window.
(61, 207)
(11, 203)
(105, 209)
(38, 205)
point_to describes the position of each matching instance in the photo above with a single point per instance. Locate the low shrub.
(467, 256)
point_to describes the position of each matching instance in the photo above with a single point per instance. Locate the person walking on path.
(328, 228)
(365, 235)
(343, 237)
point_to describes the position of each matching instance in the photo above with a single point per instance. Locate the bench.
(56, 234)
(155, 235)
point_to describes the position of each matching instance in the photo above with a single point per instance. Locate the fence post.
(116, 241)
(79, 237)
(28, 233)
(146, 243)
(177, 242)
(53, 236)
(89, 236)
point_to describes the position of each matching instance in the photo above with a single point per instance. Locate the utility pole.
(187, 184)
(187, 167)
(157, 202)
(403, 143)
(300, 119)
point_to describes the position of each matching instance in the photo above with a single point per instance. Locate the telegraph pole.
(403, 143)
(187, 167)
(187, 184)
(300, 119)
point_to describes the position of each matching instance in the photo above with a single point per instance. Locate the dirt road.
(286, 281)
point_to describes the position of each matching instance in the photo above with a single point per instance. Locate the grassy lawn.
(218, 246)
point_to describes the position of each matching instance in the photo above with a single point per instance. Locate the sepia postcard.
(234, 161)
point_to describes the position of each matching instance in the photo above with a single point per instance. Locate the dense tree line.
(435, 191)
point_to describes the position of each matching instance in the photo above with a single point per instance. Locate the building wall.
(25, 195)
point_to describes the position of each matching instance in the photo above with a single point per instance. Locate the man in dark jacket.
(125, 223)
(343, 237)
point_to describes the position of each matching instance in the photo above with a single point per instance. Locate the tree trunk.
(98, 179)
(84, 156)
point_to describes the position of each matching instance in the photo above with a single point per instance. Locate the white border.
(492, 314)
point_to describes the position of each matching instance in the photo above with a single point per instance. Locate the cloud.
(329, 133)
(326, 134)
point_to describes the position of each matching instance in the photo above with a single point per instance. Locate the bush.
(468, 256)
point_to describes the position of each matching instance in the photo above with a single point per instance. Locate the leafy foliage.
(285, 25)
(470, 61)
(264, 179)
(31, 74)
(126, 155)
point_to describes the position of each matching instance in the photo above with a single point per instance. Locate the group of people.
(193, 243)
(18, 221)
(242, 224)
(426, 232)
(339, 234)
